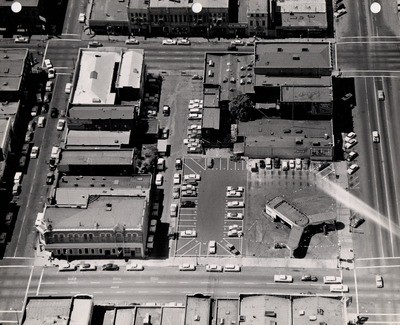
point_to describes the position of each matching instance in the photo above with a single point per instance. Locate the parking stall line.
(198, 164)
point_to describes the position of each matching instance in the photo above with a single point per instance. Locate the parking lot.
(209, 217)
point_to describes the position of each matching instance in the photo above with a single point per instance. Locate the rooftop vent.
(304, 49)
(93, 75)
(280, 49)
(96, 100)
(296, 57)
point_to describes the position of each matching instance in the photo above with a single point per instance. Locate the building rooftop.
(12, 63)
(47, 311)
(131, 69)
(254, 309)
(258, 7)
(138, 4)
(103, 112)
(95, 76)
(173, 315)
(233, 72)
(294, 6)
(294, 215)
(293, 54)
(103, 213)
(97, 157)
(211, 97)
(188, 4)
(277, 138)
(211, 118)
(322, 81)
(306, 94)
(75, 190)
(304, 20)
(227, 310)
(332, 310)
(97, 138)
(197, 310)
(142, 312)
(109, 10)
(9, 108)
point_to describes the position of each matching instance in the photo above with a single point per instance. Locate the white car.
(68, 88)
(183, 41)
(17, 178)
(67, 267)
(188, 187)
(283, 278)
(195, 116)
(51, 73)
(285, 165)
(176, 192)
(352, 155)
(212, 247)
(214, 268)
(81, 17)
(131, 41)
(232, 227)
(159, 180)
(34, 152)
(169, 41)
(375, 137)
(292, 164)
(235, 233)
(237, 42)
(173, 210)
(60, 124)
(188, 233)
(349, 136)
(21, 39)
(194, 177)
(177, 179)
(187, 267)
(339, 288)
(350, 143)
(134, 267)
(234, 194)
(231, 215)
(352, 169)
(87, 267)
(379, 281)
(339, 13)
(232, 268)
(235, 204)
(233, 188)
(48, 64)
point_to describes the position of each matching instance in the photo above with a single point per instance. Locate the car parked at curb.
(110, 267)
(187, 267)
(134, 267)
(87, 267)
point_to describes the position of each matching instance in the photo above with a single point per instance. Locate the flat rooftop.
(97, 157)
(12, 63)
(211, 97)
(95, 77)
(197, 310)
(97, 138)
(131, 69)
(103, 112)
(253, 309)
(304, 20)
(228, 310)
(173, 316)
(211, 118)
(233, 72)
(47, 311)
(188, 4)
(153, 312)
(294, 6)
(103, 213)
(332, 310)
(293, 54)
(289, 211)
(109, 10)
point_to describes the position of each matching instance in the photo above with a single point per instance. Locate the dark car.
(232, 249)
(309, 277)
(188, 204)
(50, 178)
(95, 44)
(9, 219)
(54, 112)
(262, 164)
(356, 221)
(22, 162)
(110, 267)
(277, 163)
(232, 48)
(25, 149)
(28, 136)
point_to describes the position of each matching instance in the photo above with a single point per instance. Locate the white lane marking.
(40, 282)
(12, 266)
(143, 291)
(198, 164)
(369, 42)
(120, 292)
(114, 287)
(165, 291)
(48, 283)
(98, 292)
(356, 289)
(27, 288)
(117, 282)
(18, 257)
(139, 282)
(183, 282)
(378, 258)
(94, 282)
(377, 266)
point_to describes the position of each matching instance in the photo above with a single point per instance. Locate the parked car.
(237, 42)
(17, 178)
(51, 73)
(67, 267)
(48, 64)
(60, 124)
(292, 164)
(87, 267)
(3, 239)
(68, 88)
(110, 267)
(232, 268)
(349, 136)
(212, 247)
(235, 204)
(35, 111)
(49, 85)
(28, 136)
(214, 268)
(188, 204)
(178, 163)
(309, 277)
(188, 233)
(34, 153)
(231, 215)
(356, 221)
(351, 143)
(169, 41)
(352, 169)
(50, 178)
(25, 149)
(81, 17)
(379, 281)
(187, 267)
(351, 156)
(21, 39)
(235, 188)
(95, 44)
(177, 179)
(183, 41)
(164, 133)
(47, 98)
(22, 162)
(232, 249)
(339, 13)
(131, 41)
(176, 192)
(285, 165)
(9, 219)
(54, 112)
(134, 267)
(262, 163)
(159, 180)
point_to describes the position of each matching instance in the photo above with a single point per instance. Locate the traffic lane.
(385, 23)
(379, 54)
(71, 24)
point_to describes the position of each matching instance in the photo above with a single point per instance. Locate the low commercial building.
(107, 89)
(258, 18)
(97, 217)
(278, 209)
(295, 76)
(97, 139)
(108, 17)
(287, 139)
(294, 18)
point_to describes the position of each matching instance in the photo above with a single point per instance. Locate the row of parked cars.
(276, 163)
